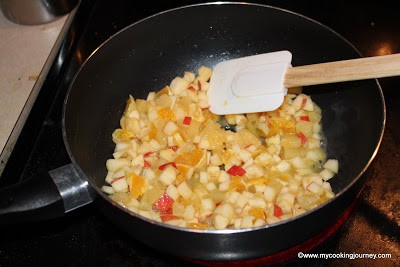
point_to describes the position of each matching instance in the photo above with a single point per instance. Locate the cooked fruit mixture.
(178, 163)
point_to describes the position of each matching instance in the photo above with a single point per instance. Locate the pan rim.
(224, 231)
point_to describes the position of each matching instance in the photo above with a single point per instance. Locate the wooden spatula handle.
(341, 71)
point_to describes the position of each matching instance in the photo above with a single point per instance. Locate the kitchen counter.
(26, 53)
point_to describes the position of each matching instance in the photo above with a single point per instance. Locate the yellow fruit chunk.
(122, 135)
(256, 181)
(166, 114)
(191, 157)
(278, 123)
(138, 185)
(214, 134)
(236, 184)
(257, 212)
(197, 226)
(153, 132)
(183, 172)
(130, 105)
(207, 114)
(246, 138)
(163, 91)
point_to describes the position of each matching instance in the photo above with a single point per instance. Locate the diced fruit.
(236, 171)
(187, 120)
(176, 162)
(170, 128)
(137, 185)
(168, 175)
(302, 137)
(163, 204)
(277, 211)
(166, 114)
(332, 164)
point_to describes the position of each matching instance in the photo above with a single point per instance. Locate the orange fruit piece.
(191, 158)
(236, 184)
(138, 185)
(257, 212)
(197, 226)
(122, 135)
(184, 171)
(166, 114)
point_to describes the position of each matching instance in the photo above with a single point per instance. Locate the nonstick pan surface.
(147, 55)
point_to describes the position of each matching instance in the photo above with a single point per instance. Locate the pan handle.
(45, 196)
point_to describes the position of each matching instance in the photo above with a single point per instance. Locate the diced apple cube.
(207, 204)
(168, 175)
(203, 177)
(168, 154)
(172, 191)
(283, 166)
(332, 164)
(224, 186)
(247, 222)
(257, 202)
(184, 190)
(274, 140)
(120, 185)
(237, 222)
(170, 128)
(258, 222)
(178, 85)
(189, 76)
(245, 155)
(107, 189)
(189, 213)
(241, 201)
(204, 73)
(211, 186)
(114, 165)
(220, 222)
(226, 210)
(223, 176)
(232, 197)
(285, 201)
(270, 194)
(315, 188)
(326, 174)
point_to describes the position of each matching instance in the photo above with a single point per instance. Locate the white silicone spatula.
(259, 83)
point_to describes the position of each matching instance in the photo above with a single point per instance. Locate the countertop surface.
(24, 51)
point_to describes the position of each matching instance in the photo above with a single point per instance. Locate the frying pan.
(145, 57)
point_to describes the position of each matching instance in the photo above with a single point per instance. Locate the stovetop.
(85, 237)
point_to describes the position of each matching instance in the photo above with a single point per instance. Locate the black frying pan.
(147, 55)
